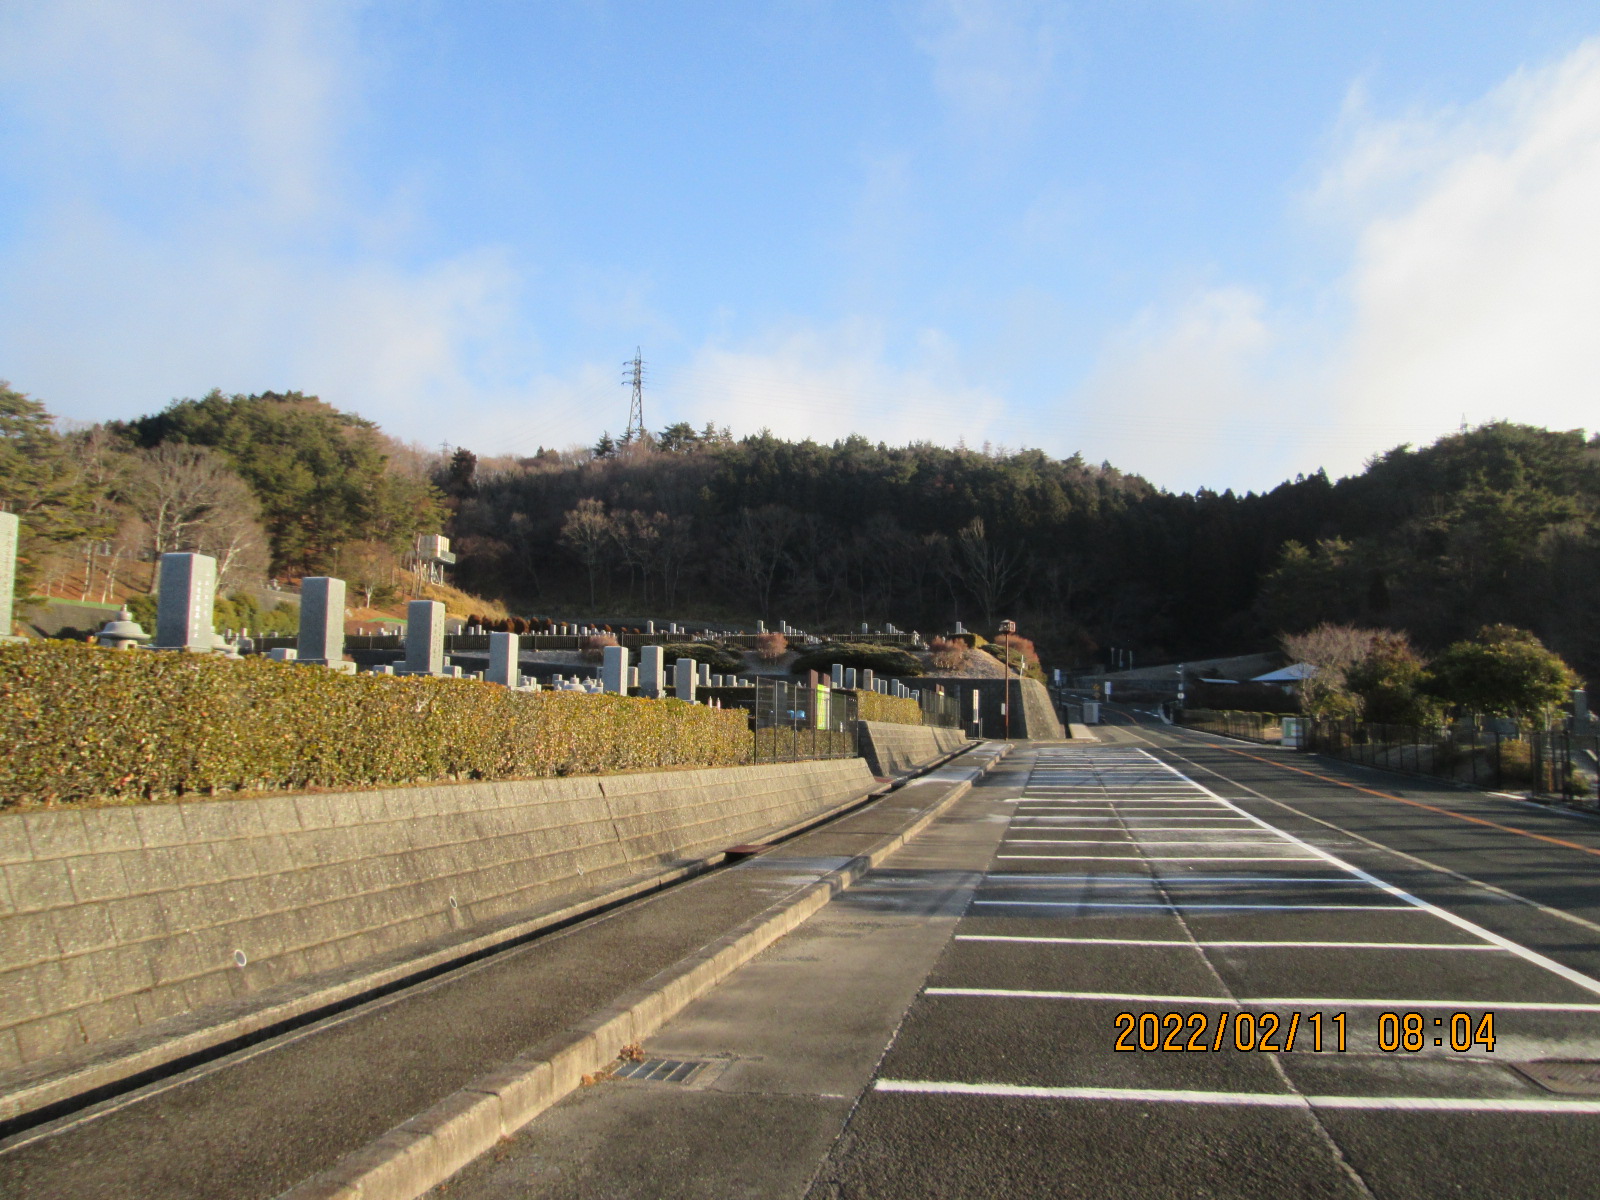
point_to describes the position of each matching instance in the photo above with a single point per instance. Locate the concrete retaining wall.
(114, 918)
(893, 749)
(1032, 713)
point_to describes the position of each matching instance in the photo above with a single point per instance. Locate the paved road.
(964, 1042)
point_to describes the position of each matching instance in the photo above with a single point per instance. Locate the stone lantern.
(122, 634)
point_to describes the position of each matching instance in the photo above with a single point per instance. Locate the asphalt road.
(953, 1030)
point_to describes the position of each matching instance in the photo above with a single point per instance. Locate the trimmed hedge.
(896, 710)
(84, 723)
(882, 660)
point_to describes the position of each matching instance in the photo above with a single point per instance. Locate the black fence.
(1566, 765)
(941, 710)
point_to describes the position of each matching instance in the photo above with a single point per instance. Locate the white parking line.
(1243, 1099)
(1308, 1002)
(1038, 878)
(1298, 858)
(1186, 905)
(1072, 941)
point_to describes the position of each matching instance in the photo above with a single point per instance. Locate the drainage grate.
(1566, 1077)
(661, 1070)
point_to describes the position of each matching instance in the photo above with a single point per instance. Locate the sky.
(1214, 242)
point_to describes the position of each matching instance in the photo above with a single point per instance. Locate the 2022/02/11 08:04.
(1274, 1033)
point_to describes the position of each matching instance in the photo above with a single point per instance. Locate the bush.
(896, 710)
(949, 653)
(883, 660)
(593, 647)
(770, 647)
(87, 724)
(721, 662)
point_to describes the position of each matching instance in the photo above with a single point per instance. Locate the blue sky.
(1217, 242)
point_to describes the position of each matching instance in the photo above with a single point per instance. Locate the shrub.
(721, 662)
(593, 647)
(896, 710)
(86, 724)
(949, 653)
(770, 647)
(883, 660)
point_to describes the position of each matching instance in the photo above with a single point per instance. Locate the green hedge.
(84, 723)
(897, 710)
(882, 660)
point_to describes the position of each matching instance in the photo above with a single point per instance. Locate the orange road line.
(1540, 837)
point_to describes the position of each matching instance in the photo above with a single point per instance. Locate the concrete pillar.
(614, 669)
(505, 659)
(322, 619)
(850, 678)
(188, 593)
(836, 675)
(424, 638)
(685, 677)
(10, 531)
(652, 671)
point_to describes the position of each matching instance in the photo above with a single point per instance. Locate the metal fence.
(1500, 756)
(790, 722)
(1565, 764)
(943, 710)
(1249, 726)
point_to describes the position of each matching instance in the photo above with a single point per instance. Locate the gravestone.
(705, 674)
(283, 654)
(188, 597)
(836, 674)
(761, 626)
(960, 628)
(652, 671)
(849, 678)
(614, 669)
(505, 659)
(868, 683)
(685, 679)
(10, 531)
(633, 679)
(322, 620)
(424, 639)
(649, 626)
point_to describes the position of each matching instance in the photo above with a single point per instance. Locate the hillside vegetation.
(1494, 525)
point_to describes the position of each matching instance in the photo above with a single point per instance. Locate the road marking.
(1586, 982)
(1299, 858)
(1311, 1002)
(1161, 842)
(998, 937)
(1039, 877)
(1241, 1099)
(1541, 837)
(1186, 905)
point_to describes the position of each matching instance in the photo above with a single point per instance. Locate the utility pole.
(634, 374)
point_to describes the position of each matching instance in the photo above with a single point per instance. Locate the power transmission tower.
(634, 375)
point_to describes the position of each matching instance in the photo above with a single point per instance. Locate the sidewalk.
(277, 1114)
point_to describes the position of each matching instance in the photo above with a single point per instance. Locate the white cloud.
(993, 60)
(1472, 291)
(808, 382)
(189, 225)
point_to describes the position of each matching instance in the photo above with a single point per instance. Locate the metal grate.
(1570, 1078)
(661, 1070)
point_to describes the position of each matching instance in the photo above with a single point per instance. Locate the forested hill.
(1497, 524)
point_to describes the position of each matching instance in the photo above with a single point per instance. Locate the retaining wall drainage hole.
(239, 958)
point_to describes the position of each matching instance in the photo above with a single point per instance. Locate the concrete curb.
(427, 1149)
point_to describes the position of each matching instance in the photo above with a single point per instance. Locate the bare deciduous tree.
(190, 499)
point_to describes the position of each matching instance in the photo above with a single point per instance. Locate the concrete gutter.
(426, 1150)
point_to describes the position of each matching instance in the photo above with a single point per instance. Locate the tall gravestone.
(849, 678)
(685, 678)
(322, 620)
(614, 670)
(505, 659)
(868, 683)
(424, 638)
(836, 675)
(10, 530)
(653, 671)
(187, 602)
